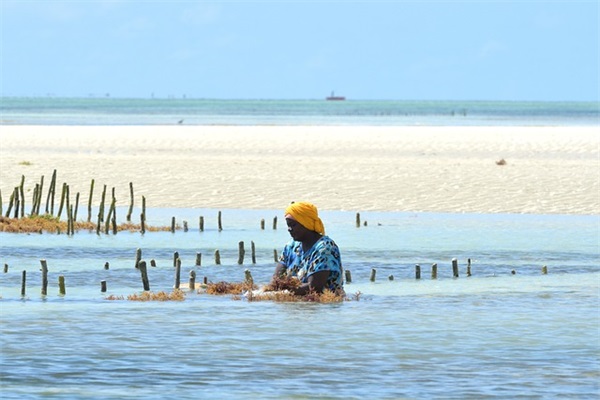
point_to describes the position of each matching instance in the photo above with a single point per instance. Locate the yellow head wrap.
(306, 214)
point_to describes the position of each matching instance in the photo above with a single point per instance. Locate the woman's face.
(296, 230)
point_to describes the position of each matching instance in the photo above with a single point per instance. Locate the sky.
(521, 50)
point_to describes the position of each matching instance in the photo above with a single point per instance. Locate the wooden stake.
(241, 252)
(44, 277)
(61, 285)
(275, 258)
(455, 267)
(23, 282)
(373, 274)
(198, 259)
(106, 265)
(217, 257)
(131, 202)
(76, 206)
(358, 220)
(22, 194)
(175, 258)
(5, 268)
(185, 226)
(138, 258)
(142, 223)
(417, 271)
(544, 270)
(220, 222)
(468, 267)
(178, 273)
(253, 248)
(153, 263)
(262, 224)
(248, 277)
(434, 271)
(192, 283)
(89, 218)
(144, 273)
(348, 276)
(173, 225)
(103, 286)
(274, 223)
(201, 224)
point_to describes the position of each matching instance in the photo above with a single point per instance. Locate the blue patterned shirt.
(324, 255)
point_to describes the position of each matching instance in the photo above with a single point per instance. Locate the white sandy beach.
(549, 170)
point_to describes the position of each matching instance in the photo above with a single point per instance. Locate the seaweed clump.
(175, 295)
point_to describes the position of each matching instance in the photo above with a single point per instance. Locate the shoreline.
(450, 169)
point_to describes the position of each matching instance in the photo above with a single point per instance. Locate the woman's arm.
(315, 283)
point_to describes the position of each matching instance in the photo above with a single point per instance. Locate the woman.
(311, 255)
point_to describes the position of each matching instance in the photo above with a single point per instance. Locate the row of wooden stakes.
(141, 265)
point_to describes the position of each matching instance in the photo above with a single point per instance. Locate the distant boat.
(334, 97)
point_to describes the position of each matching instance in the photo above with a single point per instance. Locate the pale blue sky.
(406, 50)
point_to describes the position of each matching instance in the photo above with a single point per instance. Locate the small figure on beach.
(311, 256)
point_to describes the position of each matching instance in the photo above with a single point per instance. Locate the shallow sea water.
(492, 335)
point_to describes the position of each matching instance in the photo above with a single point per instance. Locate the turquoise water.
(492, 335)
(114, 111)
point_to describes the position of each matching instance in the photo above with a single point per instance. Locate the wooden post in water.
(248, 278)
(205, 280)
(201, 224)
(275, 258)
(106, 265)
(76, 206)
(275, 223)
(61, 285)
(390, 277)
(50, 205)
(217, 257)
(62, 199)
(253, 249)
(143, 215)
(173, 225)
(138, 258)
(17, 202)
(241, 252)
(22, 194)
(114, 221)
(178, 273)
(44, 277)
(417, 271)
(219, 222)
(544, 270)
(131, 202)
(185, 226)
(10, 204)
(348, 276)
(5, 268)
(192, 283)
(89, 218)
(23, 282)
(144, 273)
(455, 267)
(262, 224)
(175, 258)
(111, 210)
(142, 224)
(153, 263)
(198, 259)
(468, 267)
(434, 271)
(103, 286)
(373, 274)
(358, 220)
